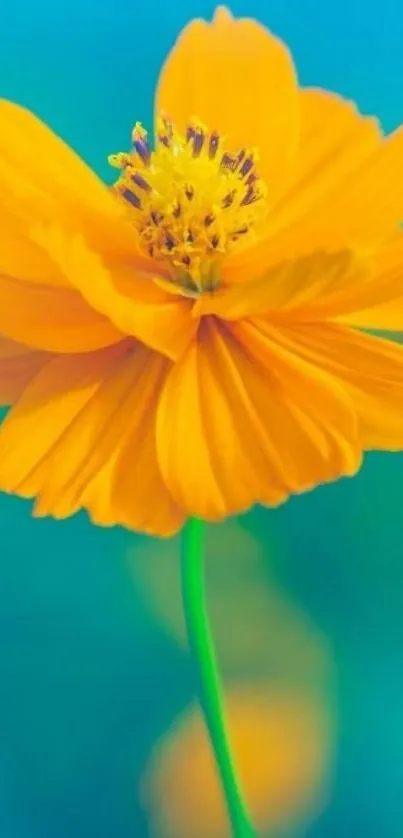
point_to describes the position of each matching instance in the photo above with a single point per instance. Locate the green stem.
(202, 649)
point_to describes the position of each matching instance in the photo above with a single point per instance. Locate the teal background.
(82, 658)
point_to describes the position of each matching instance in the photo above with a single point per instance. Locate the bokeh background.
(99, 731)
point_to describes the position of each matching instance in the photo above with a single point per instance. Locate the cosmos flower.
(197, 338)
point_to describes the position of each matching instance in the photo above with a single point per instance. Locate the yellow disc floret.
(193, 201)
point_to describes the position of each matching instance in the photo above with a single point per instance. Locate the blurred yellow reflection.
(278, 672)
(281, 743)
(258, 629)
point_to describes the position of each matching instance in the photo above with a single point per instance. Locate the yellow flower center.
(191, 200)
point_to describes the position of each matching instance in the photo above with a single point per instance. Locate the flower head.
(193, 201)
(196, 339)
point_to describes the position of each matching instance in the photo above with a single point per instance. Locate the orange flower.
(193, 341)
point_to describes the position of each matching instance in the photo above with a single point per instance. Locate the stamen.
(213, 145)
(246, 166)
(198, 142)
(119, 161)
(138, 179)
(133, 199)
(240, 232)
(170, 241)
(239, 159)
(228, 161)
(139, 137)
(250, 196)
(228, 199)
(232, 161)
(164, 131)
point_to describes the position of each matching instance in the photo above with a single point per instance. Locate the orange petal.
(18, 365)
(23, 258)
(38, 307)
(368, 368)
(72, 423)
(378, 304)
(368, 205)
(63, 227)
(243, 421)
(51, 318)
(42, 179)
(238, 79)
(129, 491)
(129, 298)
(344, 188)
(304, 288)
(364, 293)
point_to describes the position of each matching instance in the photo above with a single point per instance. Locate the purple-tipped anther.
(133, 199)
(228, 161)
(213, 145)
(247, 165)
(170, 242)
(240, 157)
(240, 232)
(165, 136)
(198, 142)
(249, 197)
(156, 217)
(143, 149)
(141, 182)
(228, 200)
